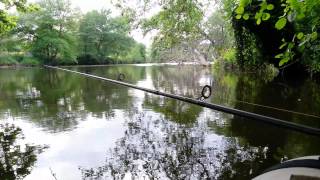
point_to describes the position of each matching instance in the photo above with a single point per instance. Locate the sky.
(88, 5)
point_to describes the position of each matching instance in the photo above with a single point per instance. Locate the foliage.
(30, 61)
(8, 21)
(177, 21)
(211, 37)
(10, 43)
(137, 54)
(219, 30)
(294, 26)
(230, 56)
(53, 32)
(7, 60)
(103, 37)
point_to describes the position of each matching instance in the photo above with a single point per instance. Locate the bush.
(230, 56)
(268, 72)
(30, 61)
(8, 60)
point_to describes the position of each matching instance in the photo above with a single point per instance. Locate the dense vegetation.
(249, 34)
(52, 32)
(284, 32)
(252, 34)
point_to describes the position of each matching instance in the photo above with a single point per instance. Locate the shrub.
(30, 61)
(230, 56)
(7, 60)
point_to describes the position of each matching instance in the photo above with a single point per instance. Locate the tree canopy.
(292, 24)
(56, 33)
(192, 30)
(9, 21)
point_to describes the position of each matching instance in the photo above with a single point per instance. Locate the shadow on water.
(16, 159)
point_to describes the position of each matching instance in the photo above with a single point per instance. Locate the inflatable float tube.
(303, 168)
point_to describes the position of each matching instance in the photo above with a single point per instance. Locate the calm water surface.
(58, 125)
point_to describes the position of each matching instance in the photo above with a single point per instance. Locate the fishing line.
(249, 115)
(271, 107)
(207, 89)
(278, 109)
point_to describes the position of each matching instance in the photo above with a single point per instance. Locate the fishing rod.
(258, 117)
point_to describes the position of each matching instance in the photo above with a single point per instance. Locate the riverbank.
(102, 65)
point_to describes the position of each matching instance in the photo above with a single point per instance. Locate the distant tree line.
(52, 32)
(249, 34)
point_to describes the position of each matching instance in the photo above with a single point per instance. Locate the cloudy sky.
(88, 5)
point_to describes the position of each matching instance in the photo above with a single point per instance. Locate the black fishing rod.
(250, 115)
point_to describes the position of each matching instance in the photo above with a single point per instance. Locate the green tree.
(177, 21)
(204, 44)
(9, 21)
(183, 29)
(52, 31)
(137, 54)
(103, 37)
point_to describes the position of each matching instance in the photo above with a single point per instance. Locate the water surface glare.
(67, 126)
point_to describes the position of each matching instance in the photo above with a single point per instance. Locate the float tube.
(303, 168)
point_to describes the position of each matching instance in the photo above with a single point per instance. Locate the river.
(59, 125)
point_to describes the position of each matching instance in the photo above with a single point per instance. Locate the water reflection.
(57, 101)
(154, 148)
(16, 159)
(186, 80)
(173, 110)
(113, 131)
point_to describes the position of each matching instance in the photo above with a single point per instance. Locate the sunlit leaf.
(246, 16)
(300, 35)
(238, 16)
(281, 23)
(270, 7)
(258, 21)
(314, 36)
(283, 45)
(278, 56)
(265, 16)
(240, 10)
(283, 61)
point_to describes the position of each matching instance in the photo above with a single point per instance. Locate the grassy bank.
(18, 60)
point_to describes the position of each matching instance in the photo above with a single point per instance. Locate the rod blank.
(250, 115)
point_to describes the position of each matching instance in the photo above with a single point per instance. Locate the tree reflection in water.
(16, 160)
(155, 148)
